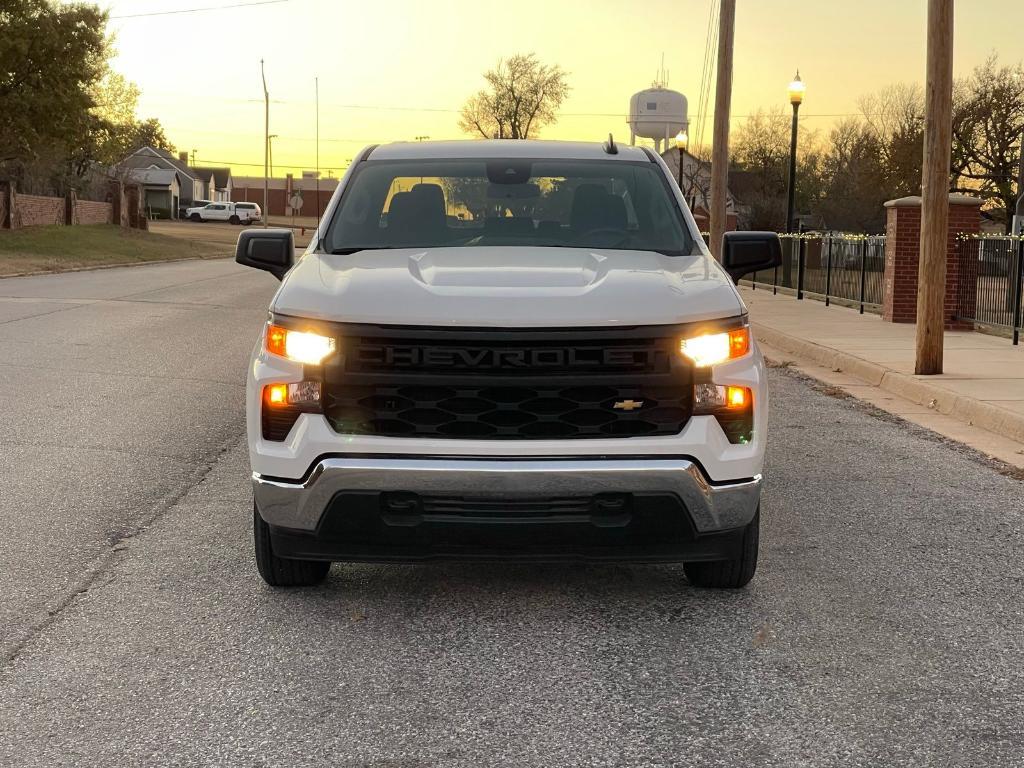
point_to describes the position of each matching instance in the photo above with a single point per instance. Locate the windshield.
(559, 203)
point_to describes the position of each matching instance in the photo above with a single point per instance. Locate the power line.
(200, 10)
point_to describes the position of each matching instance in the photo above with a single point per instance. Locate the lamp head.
(796, 89)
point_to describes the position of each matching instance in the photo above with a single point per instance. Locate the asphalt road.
(885, 625)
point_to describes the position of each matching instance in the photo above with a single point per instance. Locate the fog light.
(708, 397)
(304, 393)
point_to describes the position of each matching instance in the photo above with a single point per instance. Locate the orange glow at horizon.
(394, 71)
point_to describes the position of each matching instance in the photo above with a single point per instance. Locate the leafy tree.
(522, 96)
(63, 112)
(51, 56)
(116, 131)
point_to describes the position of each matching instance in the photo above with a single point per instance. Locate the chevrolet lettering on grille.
(498, 357)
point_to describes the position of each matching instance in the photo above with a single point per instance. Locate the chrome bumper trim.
(300, 504)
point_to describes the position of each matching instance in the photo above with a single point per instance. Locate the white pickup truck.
(232, 213)
(512, 350)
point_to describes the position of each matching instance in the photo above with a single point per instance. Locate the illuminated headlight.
(713, 348)
(300, 346)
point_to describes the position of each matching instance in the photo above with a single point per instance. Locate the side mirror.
(269, 249)
(746, 252)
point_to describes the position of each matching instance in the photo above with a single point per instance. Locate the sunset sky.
(396, 69)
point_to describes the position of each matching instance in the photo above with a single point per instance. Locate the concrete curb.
(96, 267)
(967, 409)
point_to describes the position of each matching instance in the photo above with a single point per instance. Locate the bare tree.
(988, 119)
(522, 97)
(852, 178)
(761, 149)
(894, 120)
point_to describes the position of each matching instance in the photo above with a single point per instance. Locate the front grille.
(529, 386)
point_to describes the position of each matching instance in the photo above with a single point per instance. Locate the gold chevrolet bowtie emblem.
(628, 405)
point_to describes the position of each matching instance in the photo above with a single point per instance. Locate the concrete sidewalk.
(983, 383)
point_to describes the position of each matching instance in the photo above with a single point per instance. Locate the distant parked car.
(183, 209)
(233, 213)
(248, 213)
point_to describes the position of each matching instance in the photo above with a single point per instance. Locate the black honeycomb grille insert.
(512, 412)
(531, 387)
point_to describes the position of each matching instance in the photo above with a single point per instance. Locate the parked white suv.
(233, 213)
(510, 350)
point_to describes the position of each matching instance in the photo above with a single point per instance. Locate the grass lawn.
(56, 248)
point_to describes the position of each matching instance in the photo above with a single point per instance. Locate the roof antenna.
(609, 146)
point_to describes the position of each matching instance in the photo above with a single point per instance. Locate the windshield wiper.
(355, 249)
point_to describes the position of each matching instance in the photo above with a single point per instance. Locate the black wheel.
(278, 571)
(195, 217)
(235, 220)
(729, 574)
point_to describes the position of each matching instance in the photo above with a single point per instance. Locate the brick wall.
(90, 212)
(278, 199)
(39, 211)
(903, 253)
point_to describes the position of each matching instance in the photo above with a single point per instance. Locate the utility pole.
(266, 146)
(720, 142)
(931, 271)
(270, 147)
(316, 85)
(194, 150)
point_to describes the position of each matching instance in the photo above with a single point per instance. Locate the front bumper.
(635, 509)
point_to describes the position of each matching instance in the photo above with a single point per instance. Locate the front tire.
(279, 571)
(195, 217)
(235, 220)
(729, 574)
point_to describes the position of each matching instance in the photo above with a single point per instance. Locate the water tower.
(657, 113)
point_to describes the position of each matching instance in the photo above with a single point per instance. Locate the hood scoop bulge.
(507, 267)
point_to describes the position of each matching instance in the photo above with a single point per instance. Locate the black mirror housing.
(746, 252)
(269, 249)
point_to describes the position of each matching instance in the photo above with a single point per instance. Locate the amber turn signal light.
(276, 394)
(737, 397)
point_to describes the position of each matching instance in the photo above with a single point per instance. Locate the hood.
(508, 287)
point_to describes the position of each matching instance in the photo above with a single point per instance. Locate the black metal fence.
(830, 266)
(991, 281)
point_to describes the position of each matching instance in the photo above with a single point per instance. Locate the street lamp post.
(796, 96)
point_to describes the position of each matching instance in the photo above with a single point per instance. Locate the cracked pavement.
(885, 625)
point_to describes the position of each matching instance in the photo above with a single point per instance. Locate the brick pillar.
(118, 204)
(903, 252)
(136, 214)
(5, 206)
(961, 273)
(10, 216)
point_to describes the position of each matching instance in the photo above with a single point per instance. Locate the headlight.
(714, 348)
(300, 346)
